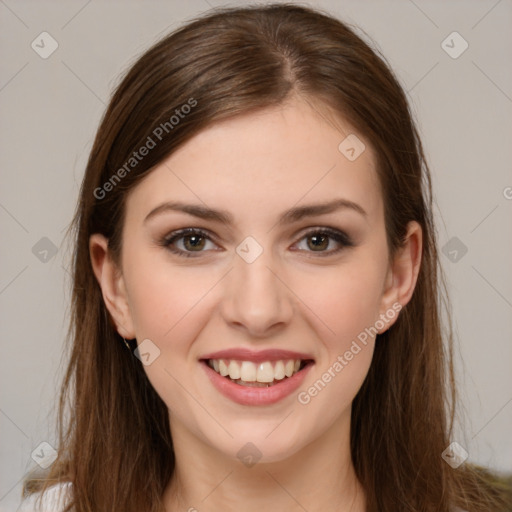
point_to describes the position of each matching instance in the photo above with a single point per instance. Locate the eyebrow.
(293, 215)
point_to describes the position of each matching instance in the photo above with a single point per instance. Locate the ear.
(402, 275)
(112, 285)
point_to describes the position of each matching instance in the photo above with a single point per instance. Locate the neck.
(318, 477)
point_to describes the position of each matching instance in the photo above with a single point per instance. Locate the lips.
(256, 378)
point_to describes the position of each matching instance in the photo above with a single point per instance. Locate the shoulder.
(53, 500)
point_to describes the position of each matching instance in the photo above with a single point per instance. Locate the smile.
(256, 378)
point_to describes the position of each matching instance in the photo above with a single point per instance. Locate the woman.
(255, 302)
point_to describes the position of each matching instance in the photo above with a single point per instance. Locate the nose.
(256, 297)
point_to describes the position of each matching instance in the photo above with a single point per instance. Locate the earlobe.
(403, 272)
(112, 285)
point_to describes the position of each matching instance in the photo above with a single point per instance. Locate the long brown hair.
(115, 446)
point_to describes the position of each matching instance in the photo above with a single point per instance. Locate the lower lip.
(246, 395)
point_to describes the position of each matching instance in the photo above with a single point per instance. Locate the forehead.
(261, 163)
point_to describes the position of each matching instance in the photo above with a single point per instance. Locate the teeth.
(234, 370)
(223, 369)
(279, 370)
(247, 371)
(265, 372)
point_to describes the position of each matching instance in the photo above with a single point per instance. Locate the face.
(316, 285)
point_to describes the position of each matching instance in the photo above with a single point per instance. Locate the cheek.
(345, 307)
(344, 299)
(168, 306)
(164, 296)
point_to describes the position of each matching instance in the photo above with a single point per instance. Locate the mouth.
(261, 374)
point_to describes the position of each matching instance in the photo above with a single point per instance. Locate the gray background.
(51, 109)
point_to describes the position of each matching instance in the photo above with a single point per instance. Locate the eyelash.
(339, 236)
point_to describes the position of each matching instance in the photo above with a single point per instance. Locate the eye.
(320, 239)
(191, 240)
(188, 241)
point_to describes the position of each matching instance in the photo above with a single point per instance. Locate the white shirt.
(53, 500)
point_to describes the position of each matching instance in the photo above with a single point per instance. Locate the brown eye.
(194, 242)
(318, 242)
(186, 242)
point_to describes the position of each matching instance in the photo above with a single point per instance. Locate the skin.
(291, 297)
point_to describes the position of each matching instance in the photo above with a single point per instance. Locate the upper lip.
(244, 354)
